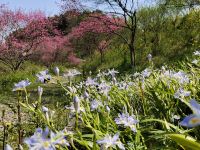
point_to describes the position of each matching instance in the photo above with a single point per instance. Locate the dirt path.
(10, 114)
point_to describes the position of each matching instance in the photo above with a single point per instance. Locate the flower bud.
(86, 95)
(56, 71)
(77, 103)
(20, 147)
(108, 109)
(34, 105)
(149, 57)
(114, 80)
(40, 91)
(45, 109)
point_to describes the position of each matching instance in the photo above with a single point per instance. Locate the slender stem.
(19, 120)
(143, 99)
(72, 144)
(76, 126)
(4, 130)
(35, 114)
(76, 123)
(94, 141)
(4, 137)
(26, 95)
(79, 133)
(38, 106)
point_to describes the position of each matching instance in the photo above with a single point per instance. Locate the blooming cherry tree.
(20, 35)
(94, 30)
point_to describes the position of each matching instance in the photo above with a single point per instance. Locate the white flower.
(136, 74)
(168, 73)
(21, 85)
(45, 140)
(146, 73)
(163, 68)
(182, 77)
(176, 117)
(72, 73)
(72, 89)
(43, 76)
(99, 75)
(109, 141)
(127, 120)
(123, 86)
(95, 104)
(180, 93)
(91, 82)
(197, 53)
(80, 85)
(112, 72)
(195, 61)
(45, 109)
(104, 88)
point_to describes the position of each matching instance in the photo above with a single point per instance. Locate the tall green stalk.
(19, 120)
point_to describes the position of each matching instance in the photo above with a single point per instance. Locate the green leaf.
(185, 141)
(87, 136)
(28, 107)
(167, 124)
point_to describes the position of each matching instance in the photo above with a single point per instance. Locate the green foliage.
(186, 141)
(7, 78)
(151, 99)
(168, 35)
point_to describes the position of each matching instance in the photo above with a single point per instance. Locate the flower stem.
(19, 120)
(4, 130)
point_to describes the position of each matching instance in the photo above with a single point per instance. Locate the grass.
(150, 99)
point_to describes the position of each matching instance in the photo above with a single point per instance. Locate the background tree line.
(120, 35)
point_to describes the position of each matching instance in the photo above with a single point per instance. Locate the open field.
(136, 108)
(100, 75)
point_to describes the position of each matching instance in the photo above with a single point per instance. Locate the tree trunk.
(17, 65)
(132, 58)
(132, 40)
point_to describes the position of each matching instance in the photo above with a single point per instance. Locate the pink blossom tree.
(73, 59)
(56, 49)
(97, 23)
(20, 35)
(95, 29)
(127, 9)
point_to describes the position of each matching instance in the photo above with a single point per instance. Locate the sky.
(50, 7)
